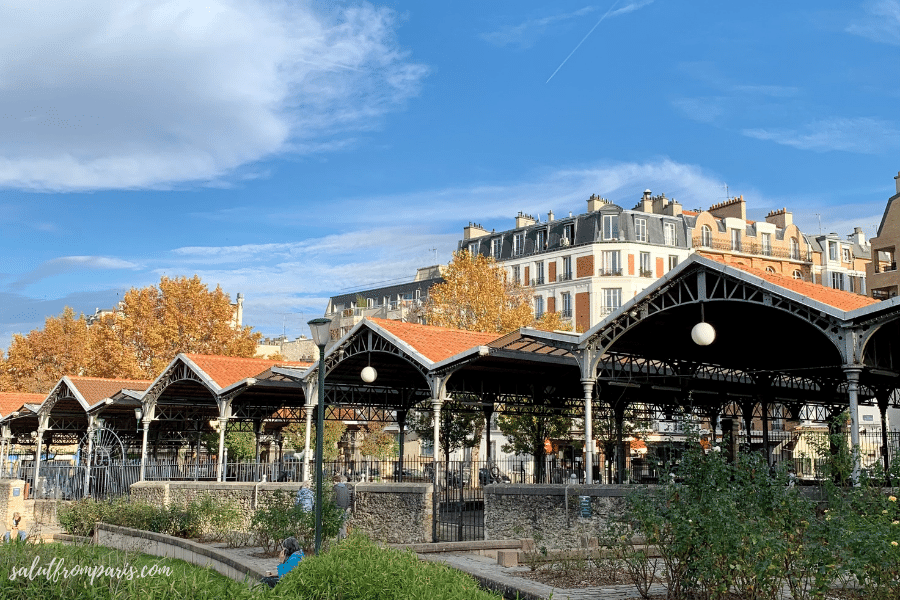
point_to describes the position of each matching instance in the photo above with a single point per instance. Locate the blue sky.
(293, 150)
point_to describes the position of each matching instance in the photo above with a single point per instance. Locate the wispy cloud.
(880, 23)
(861, 135)
(160, 93)
(524, 35)
(69, 264)
(377, 246)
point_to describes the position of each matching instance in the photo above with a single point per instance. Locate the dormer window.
(610, 227)
(569, 233)
(541, 242)
(519, 243)
(496, 245)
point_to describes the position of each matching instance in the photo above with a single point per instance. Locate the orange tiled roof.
(13, 401)
(226, 370)
(690, 213)
(95, 389)
(436, 343)
(839, 299)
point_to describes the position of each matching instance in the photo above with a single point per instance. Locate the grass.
(354, 569)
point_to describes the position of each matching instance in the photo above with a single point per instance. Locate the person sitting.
(291, 555)
(16, 528)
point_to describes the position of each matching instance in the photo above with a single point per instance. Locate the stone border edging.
(159, 544)
(469, 546)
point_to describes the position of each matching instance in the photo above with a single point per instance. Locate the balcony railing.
(747, 247)
(564, 276)
(646, 273)
(566, 313)
(885, 267)
(608, 272)
(537, 281)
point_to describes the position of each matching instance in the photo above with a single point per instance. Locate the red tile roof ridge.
(839, 299)
(433, 342)
(111, 380)
(260, 359)
(12, 401)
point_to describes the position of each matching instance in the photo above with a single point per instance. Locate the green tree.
(241, 444)
(457, 429)
(527, 429)
(332, 432)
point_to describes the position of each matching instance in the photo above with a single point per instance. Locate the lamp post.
(319, 328)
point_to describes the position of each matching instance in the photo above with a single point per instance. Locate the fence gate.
(459, 501)
(103, 458)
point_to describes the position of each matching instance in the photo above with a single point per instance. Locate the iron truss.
(707, 286)
(365, 342)
(178, 372)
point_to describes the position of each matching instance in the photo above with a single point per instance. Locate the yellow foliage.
(138, 341)
(477, 295)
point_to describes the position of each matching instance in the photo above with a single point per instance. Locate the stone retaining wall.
(158, 544)
(540, 512)
(399, 513)
(248, 496)
(394, 513)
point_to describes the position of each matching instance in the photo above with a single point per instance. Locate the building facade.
(588, 265)
(840, 263)
(883, 277)
(401, 302)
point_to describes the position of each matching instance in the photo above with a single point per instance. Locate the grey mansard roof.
(588, 229)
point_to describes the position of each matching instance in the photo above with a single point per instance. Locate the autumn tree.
(138, 340)
(478, 295)
(606, 434)
(181, 315)
(35, 362)
(377, 442)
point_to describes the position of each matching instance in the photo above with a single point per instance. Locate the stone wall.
(540, 512)
(387, 512)
(248, 496)
(12, 500)
(395, 513)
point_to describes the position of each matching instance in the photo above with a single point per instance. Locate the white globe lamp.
(703, 334)
(368, 374)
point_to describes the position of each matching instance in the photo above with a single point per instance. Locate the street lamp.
(319, 328)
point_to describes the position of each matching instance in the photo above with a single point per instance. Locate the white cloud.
(863, 135)
(630, 7)
(379, 246)
(881, 23)
(69, 264)
(525, 34)
(105, 95)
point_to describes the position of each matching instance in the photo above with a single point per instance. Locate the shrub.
(281, 518)
(78, 518)
(356, 569)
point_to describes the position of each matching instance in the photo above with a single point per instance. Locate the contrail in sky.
(582, 41)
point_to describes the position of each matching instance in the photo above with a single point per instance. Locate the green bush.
(281, 518)
(725, 527)
(356, 569)
(78, 518)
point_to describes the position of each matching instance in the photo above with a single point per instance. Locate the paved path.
(486, 570)
(504, 579)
